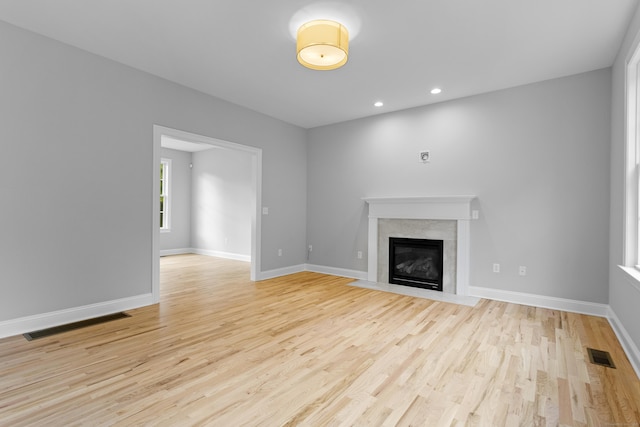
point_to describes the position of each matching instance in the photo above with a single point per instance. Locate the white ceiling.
(243, 51)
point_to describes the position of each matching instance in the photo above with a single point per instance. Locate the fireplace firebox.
(416, 262)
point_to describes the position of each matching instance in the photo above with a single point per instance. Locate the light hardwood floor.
(308, 349)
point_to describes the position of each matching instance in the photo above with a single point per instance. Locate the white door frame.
(256, 178)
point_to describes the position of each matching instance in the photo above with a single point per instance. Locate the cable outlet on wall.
(425, 156)
(522, 270)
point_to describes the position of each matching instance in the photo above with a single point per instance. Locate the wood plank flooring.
(308, 349)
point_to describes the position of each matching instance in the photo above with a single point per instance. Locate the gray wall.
(77, 189)
(222, 201)
(536, 156)
(624, 297)
(179, 237)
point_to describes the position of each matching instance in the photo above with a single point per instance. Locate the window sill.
(632, 276)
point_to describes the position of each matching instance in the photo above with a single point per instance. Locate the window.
(632, 189)
(631, 209)
(632, 163)
(165, 174)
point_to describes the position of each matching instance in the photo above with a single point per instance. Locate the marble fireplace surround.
(436, 208)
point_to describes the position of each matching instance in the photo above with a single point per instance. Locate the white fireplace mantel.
(440, 207)
(456, 208)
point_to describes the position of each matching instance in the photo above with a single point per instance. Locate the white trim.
(542, 301)
(221, 254)
(179, 251)
(631, 126)
(372, 248)
(37, 322)
(167, 195)
(155, 218)
(206, 252)
(279, 272)
(629, 347)
(256, 217)
(632, 275)
(432, 207)
(463, 256)
(334, 271)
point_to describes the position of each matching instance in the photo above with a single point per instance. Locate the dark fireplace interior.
(416, 262)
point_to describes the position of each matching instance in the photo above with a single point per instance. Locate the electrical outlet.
(265, 211)
(496, 268)
(522, 270)
(475, 214)
(359, 254)
(310, 248)
(279, 252)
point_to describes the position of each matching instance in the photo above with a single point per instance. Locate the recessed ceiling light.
(378, 104)
(436, 90)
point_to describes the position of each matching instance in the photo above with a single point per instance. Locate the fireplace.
(416, 262)
(424, 218)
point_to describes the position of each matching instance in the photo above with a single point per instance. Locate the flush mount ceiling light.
(322, 45)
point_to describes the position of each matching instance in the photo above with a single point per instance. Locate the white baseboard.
(221, 254)
(629, 347)
(270, 274)
(37, 322)
(334, 271)
(542, 301)
(181, 251)
(207, 252)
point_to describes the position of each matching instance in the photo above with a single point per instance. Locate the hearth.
(416, 262)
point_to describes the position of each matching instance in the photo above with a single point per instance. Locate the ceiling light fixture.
(436, 90)
(378, 104)
(322, 45)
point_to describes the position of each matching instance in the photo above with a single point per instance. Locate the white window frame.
(165, 226)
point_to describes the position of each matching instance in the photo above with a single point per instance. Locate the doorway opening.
(256, 194)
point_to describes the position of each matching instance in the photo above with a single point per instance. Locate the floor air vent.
(599, 357)
(76, 325)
